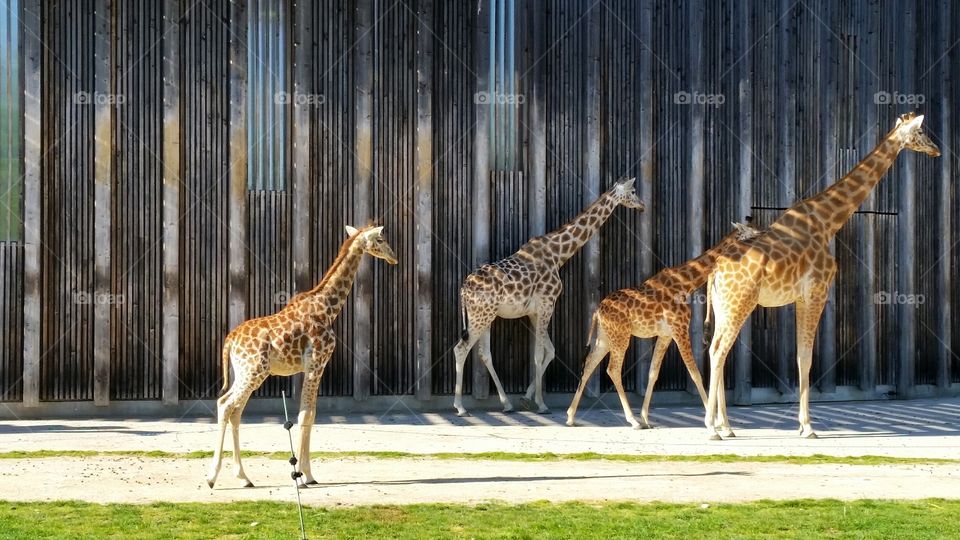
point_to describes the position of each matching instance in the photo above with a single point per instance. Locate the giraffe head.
(625, 195)
(744, 231)
(373, 242)
(910, 132)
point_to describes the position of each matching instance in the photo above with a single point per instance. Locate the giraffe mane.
(337, 261)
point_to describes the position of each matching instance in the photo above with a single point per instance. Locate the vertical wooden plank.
(944, 279)
(171, 202)
(743, 388)
(648, 153)
(237, 199)
(481, 166)
(695, 166)
(32, 53)
(423, 162)
(830, 169)
(304, 97)
(592, 189)
(103, 182)
(537, 127)
(363, 175)
(787, 173)
(906, 231)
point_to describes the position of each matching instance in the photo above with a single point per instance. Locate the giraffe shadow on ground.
(8, 429)
(916, 418)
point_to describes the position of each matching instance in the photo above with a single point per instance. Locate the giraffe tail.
(225, 363)
(708, 322)
(593, 327)
(464, 333)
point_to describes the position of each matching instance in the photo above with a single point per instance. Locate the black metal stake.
(287, 424)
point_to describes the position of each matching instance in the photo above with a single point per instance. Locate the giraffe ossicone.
(527, 284)
(297, 339)
(791, 264)
(657, 308)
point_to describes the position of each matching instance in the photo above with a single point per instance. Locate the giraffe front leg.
(308, 413)
(808, 318)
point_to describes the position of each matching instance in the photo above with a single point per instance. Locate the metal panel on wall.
(11, 321)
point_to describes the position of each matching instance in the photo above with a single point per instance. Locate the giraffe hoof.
(811, 435)
(642, 426)
(571, 423)
(545, 410)
(463, 414)
(210, 483)
(729, 435)
(526, 404)
(715, 437)
(249, 484)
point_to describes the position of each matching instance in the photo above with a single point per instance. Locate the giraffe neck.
(329, 296)
(830, 209)
(691, 275)
(564, 242)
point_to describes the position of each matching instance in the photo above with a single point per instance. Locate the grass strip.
(864, 519)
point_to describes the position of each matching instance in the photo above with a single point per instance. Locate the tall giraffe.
(527, 284)
(298, 338)
(657, 308)
(791, 263)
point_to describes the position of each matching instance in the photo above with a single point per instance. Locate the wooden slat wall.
(813, 69)
(510, 341)
(11, 321)
(394, 128)
(331, 168)
(137, 235)
(67, 279)
(204, 229)
(453, 128)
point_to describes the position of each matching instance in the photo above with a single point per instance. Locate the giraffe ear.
(627, 183)
(350, 230)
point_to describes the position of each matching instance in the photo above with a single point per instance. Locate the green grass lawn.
(814, 459)
(765, 519)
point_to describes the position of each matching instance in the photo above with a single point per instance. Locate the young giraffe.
(298, 338)
(658, 308)
(527, 284)
(791, 263)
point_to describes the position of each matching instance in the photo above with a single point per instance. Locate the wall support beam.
(237, 204)
(944, 280)
(103, 184)
(592, 187)
(171, 202)
(300, 137)
(743, 355)
(481, 167)
(907, 228)
(32, 50)
(645, 180)
(363, 176)
(696, 198)
(423, 200)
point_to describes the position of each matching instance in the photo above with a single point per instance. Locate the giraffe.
(298, 338)
(658, 308)
(527, 284)
(790, 263)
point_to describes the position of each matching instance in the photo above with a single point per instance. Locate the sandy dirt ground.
(921, 428)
